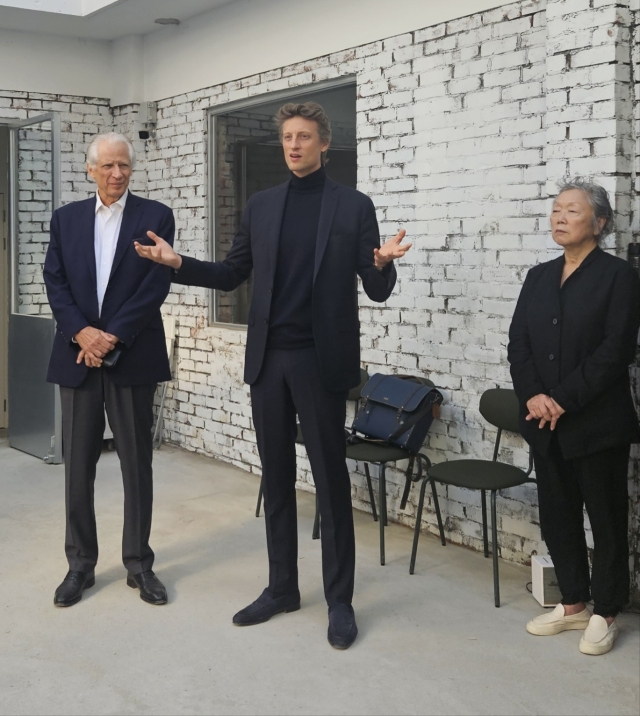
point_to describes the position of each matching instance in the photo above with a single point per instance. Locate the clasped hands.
(545, 409)
(94, 346)
(163, 253)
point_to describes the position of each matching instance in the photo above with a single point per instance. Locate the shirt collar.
(121, 201)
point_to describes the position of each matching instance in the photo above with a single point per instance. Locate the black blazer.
(131, 307)
(347, 235)
(575, 343)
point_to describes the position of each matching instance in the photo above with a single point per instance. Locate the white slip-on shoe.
(556, 621)
(598, 637)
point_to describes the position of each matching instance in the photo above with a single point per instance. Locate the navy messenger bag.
(396, 410)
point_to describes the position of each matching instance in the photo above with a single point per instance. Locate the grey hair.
(111, 138)
(598, 198)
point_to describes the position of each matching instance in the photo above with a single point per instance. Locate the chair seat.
(478, 474)
(370, 452)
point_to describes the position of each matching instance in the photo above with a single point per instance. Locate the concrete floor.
(432, 643)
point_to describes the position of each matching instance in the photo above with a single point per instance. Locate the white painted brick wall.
(463, 130)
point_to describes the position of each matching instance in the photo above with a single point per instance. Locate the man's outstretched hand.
(390, 250)
(161, 253)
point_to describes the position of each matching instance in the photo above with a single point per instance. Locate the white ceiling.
(97, 19)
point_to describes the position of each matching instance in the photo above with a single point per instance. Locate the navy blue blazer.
(131, 306)
(347, 234)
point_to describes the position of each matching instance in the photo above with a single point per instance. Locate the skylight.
(80, 8)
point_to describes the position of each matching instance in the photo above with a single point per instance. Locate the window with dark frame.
(249, 158)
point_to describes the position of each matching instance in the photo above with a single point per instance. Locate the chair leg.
(494, 545)
(485, 532)
(416, 531)
(316, 522)
(382, 502)
(259, 505)
(371, 495)
(157, 432)
(407, 483)
(436, 504)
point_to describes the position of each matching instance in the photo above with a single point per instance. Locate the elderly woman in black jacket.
(572, 338)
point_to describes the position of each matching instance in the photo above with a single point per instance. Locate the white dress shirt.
(107, 230)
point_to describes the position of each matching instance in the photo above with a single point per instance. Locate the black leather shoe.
(266, 607)
(151, 588)
(70, 591)
(342, 626)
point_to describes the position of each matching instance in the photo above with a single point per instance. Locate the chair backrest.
(500, 407)
(356, 393)
(170, 329)
(417, 379)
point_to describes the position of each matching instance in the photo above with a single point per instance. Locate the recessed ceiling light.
(167, 21)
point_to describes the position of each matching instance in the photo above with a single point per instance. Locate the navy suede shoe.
(266, 607)
(342, 626)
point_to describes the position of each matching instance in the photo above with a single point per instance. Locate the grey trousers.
(130, 412)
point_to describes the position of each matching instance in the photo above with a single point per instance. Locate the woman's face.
(572, 220)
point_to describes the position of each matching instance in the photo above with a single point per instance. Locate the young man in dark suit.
(306, 241)
(109, 352)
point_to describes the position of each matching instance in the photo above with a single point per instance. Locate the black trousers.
(599, 483)
(130, 412)
(290, 383)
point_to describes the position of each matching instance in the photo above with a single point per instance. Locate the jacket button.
(266, 320)
(555, 321)
(551, 356)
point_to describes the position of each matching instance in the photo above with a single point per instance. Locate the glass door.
(34, 405)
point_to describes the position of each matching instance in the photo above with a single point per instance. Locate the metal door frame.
(55, 455)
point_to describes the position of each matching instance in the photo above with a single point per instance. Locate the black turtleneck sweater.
(290, 325)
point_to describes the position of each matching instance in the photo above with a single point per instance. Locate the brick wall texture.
(463, 129)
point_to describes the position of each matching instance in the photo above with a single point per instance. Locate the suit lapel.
(328, 207)
(130, 219)
(86, 233)
(275, 224)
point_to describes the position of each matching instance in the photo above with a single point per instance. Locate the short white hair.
(111, 138)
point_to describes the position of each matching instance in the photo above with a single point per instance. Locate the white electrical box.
(544, 585)
(148, 113)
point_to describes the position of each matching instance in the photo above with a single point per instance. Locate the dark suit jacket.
(347, 235)
(131, 307)
(575, 343)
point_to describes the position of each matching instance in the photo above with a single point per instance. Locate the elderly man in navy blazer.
(109, 353)
(306, 242)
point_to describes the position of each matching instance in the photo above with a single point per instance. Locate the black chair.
(381, 454)
(354, 395)
(500, 408)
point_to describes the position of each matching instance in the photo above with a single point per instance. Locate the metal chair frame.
(414, 458)
(494, 526)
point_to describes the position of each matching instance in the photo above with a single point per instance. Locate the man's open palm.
(390, 250)
(161, 253)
